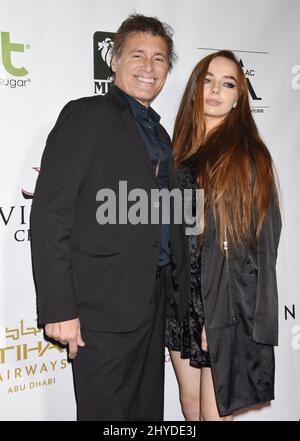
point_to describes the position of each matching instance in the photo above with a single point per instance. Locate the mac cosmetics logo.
(254, 66)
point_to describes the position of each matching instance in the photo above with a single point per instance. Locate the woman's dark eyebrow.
(229, 77)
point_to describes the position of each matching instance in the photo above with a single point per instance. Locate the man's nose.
(148, 64)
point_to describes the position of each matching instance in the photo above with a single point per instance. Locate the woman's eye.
(207, 81)
(229, 85)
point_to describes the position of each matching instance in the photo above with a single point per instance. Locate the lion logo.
(105, 48)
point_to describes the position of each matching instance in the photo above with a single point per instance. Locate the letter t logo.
(7, 49)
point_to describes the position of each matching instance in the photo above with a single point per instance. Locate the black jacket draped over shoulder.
(239, 295)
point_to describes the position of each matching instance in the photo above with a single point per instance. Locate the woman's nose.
(215, 88)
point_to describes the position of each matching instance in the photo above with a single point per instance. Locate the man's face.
(142, 68)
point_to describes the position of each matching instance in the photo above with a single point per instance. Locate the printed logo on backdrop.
(28, 194)
(254, 64)
(296, 77)
(290, 314)
(103, 44)
(27, 361)
(15, 218)
(13, 73)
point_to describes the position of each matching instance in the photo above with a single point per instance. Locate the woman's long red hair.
(234, 166)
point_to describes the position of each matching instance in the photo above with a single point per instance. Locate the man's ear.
(114, 63)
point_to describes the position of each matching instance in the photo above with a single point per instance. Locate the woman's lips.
(211, 102)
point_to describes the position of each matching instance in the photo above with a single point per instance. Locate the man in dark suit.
(102, 286)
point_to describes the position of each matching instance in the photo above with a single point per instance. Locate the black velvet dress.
(185, 336)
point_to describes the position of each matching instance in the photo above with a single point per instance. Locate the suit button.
(155, 244)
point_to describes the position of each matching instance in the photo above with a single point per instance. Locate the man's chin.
(145, 99)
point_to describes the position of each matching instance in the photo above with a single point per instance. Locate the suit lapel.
(163, 135)
(136, 140)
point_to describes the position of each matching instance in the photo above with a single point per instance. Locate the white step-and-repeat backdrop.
(55, 51)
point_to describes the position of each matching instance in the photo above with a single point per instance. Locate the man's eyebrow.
(160, 53)
(156, 53)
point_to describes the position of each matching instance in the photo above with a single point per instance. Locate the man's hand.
(67, 333)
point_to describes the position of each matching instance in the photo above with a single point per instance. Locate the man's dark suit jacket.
(105, 274)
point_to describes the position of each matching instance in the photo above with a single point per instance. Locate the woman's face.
(220, 90)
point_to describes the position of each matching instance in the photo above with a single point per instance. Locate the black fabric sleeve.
(65, 163)
(266, 312)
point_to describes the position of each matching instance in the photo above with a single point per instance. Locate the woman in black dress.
(223, 351)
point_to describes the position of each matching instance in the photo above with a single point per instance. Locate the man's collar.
(138, 108)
